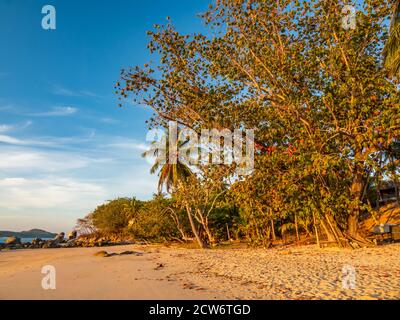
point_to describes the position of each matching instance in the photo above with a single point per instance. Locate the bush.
(153, 221)
(114, 216)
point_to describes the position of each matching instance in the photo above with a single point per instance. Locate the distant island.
(34, 233)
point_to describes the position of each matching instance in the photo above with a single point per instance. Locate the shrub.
(153, 221)
(114, 216)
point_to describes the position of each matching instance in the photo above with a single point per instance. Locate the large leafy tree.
(316, 94)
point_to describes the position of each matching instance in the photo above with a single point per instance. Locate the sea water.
(23, 240)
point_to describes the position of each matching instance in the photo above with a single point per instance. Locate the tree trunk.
(356, 191)
(194, 229)
(395, 180)
(378, 192)
(178, 224)
(328, 231)
(228, 233)
(378, 183)
(273, 230)
(296, 227)
(204, 222)
(209, 234)
(352, 224)
(307, 228)
(316, 230)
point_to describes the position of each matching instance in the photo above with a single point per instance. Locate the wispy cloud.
(6, 128)
(55, 180)
(56, 112)
(11, 127)
(58, 143)
(25, 125)
(24, 142)
(18, 160)
(109, 120)
(127, 144)
(46, 193)
(89, 93)
(61, 91)
(10, 140)
(67, 92)
(7, 108)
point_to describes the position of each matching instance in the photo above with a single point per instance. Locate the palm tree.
(170, 174)
(391, 51)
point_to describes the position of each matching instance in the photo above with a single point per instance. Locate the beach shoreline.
(172, 273)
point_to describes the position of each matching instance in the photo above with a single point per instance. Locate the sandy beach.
(176, 273)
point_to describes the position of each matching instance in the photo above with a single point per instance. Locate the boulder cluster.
(60, 241)
(96, 240)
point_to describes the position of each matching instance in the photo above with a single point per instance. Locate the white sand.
(295, 273)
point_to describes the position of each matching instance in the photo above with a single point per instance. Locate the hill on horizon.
(33, 233)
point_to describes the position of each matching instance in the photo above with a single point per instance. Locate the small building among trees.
(388, 193)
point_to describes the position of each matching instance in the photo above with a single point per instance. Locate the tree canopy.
(317, 95)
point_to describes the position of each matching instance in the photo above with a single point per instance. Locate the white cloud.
(6, 127)
(126, 144)
(56, 112)
(109, 120)
(24, 160)
(10, 140)
(55, 203)
(52, 181)
(22, 193)
(20, 142)
(66, 92)
(61, 91)
(89, 93)
(11, 127)
(26, 124)
(129, 146)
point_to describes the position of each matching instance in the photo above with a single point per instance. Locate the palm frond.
(169, 174)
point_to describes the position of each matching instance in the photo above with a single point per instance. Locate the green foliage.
(201, 196)
(222, 219)
(254, 226)
(143, 220)
(153, 221)
(114, 216)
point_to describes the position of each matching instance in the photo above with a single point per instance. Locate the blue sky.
(65, 146)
